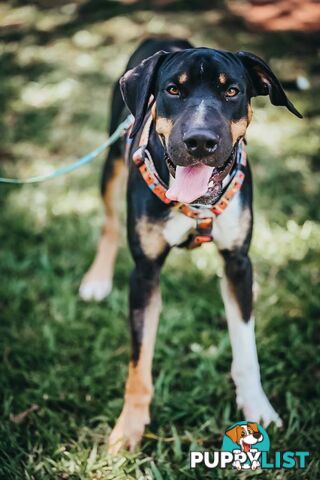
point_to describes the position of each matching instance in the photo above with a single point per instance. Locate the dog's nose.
(257, 435)
(200, 143)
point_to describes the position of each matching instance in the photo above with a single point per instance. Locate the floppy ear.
(253, 427)
(233, 433)
(138, 84)
(265, 82)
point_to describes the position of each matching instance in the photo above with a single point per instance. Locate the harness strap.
(143, 159)
(203, 233)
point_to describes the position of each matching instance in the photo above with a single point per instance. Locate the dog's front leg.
(232, 234)
(149, 251)
(236, 289)
(145, 302)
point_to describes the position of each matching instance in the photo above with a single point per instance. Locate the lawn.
(66, 360)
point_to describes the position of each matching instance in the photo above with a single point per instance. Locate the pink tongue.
(190, 183)
(246, 447)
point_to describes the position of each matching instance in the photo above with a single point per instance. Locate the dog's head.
(245, 435)
(201, 110)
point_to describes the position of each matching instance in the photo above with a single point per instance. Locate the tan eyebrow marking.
(183, 77)
(222, 78)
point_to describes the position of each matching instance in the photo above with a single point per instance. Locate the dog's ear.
(253, 427)
(137, 85)
(234, 433)
(265, 82)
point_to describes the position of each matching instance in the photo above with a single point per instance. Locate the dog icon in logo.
(246, 436)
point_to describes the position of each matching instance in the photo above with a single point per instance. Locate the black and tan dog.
(192, 108)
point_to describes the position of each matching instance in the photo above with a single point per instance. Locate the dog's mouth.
(246, 447)
(198, 181)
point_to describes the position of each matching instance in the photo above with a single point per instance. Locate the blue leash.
(77, 164)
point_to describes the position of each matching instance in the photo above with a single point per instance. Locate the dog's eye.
(173, 90)
(231, 92)
(243, 433)
(250, 431)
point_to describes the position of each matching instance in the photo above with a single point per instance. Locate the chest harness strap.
(203, 231)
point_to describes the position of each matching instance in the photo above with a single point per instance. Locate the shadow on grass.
(16, 124)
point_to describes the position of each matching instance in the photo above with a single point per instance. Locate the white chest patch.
(178, 227)
(230, 228)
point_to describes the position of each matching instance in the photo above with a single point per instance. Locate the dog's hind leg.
(97, 282)
(232, 233)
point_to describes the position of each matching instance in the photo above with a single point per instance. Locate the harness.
(204, 223)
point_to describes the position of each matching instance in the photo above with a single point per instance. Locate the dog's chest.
(226, 231)
(178, 228)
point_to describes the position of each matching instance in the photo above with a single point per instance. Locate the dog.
(185, 150)
(245, 436)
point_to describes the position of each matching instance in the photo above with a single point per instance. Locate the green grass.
(70, 358)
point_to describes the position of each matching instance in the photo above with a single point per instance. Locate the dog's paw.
(255, 464)
(97, 290)
(258, 409)
(128, 431)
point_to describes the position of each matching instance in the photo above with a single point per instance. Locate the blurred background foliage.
(58, 61)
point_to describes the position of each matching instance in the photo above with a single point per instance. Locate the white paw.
(129, 429)
(255, 464)
(95, 289)
(257, 408)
